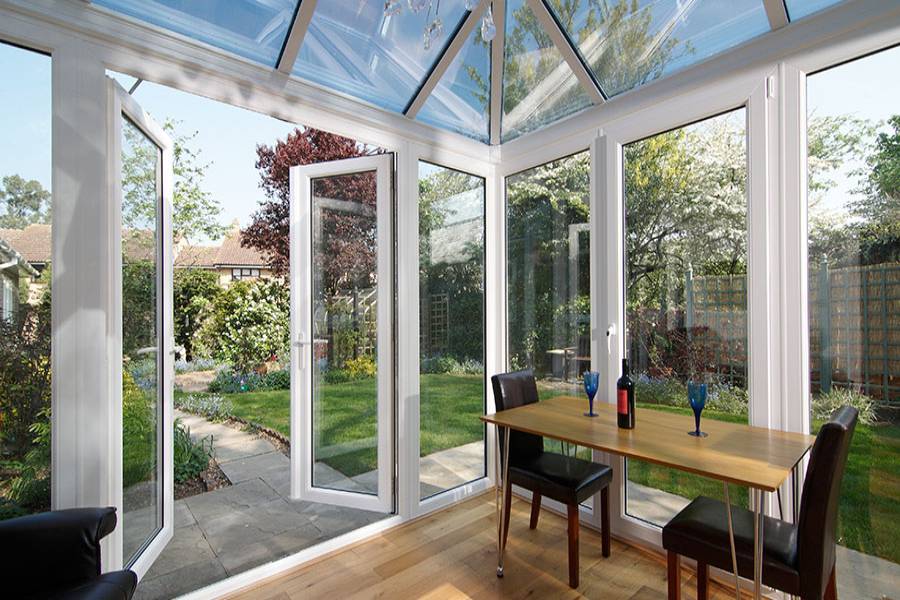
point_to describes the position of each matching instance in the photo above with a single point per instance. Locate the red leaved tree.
(346, 238)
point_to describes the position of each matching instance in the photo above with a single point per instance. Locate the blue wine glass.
(697, 399)
(591, 383)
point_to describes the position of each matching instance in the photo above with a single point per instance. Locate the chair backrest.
(819, 506)
(511, 390)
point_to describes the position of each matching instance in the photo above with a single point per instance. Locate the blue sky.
(25, 109)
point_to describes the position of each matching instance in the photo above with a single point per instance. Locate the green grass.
(451, 404)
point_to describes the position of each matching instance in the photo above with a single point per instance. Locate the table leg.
(737, 578)
(504, 489)
(758, 527)
(795, 492)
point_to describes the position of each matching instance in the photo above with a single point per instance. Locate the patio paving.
(252, 522)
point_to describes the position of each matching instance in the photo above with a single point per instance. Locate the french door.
(341, 332)
(141, 171)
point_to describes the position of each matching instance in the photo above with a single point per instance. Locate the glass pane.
(355, 48)
(461, 100)
(797, 9)
(345, 301)
(141, 375)
(254, 29)
(629, 43)
(686, 291)
(451, 334)
(854, 301)
(25, 243)
(538, 85)
(548, 278)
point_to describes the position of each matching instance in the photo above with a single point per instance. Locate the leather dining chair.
(566, 479)
(798, 559)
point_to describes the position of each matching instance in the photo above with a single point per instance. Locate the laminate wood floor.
(452, 554)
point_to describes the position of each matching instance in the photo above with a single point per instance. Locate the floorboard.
(453, 554)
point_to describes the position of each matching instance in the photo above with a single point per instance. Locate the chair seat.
(700, 531)
(563, 478)
(116, 585)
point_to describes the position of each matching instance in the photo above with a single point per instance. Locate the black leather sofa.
(57, 555)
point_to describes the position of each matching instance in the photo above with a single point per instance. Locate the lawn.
(451, 404)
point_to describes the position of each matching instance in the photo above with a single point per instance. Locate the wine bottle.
(625, 398)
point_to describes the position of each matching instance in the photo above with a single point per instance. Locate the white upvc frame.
(122, 106)
(302, 334)
(408, 388)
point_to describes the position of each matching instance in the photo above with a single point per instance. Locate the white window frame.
(122, 106)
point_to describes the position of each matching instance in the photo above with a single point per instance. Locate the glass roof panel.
(353, 47)
(628, 43)
(461, 100)
(538, 85)
(254, 29)
(797, 9)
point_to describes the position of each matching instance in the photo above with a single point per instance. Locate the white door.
(342, 449)
(140, 164)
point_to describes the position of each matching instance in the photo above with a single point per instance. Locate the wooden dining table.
(758, 458)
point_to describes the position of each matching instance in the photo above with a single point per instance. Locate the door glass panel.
(854, 301)
(141, 327)
(686, 291)
(345, 301)
(451, 333)
(548, 278)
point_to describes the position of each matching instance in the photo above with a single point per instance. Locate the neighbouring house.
(14, 271)
(228, 259)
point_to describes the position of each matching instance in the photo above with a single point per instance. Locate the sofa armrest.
(54, 550)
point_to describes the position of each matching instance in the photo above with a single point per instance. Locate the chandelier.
(434, 27)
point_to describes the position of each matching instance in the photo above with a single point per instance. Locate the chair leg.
(535, 509)
(831, 588)
(604, 520)
(507, 501)
(573, 545)
(702, 581)
(673, 575)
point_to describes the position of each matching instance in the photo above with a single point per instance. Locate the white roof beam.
(497, 60)
(295, 36)
(552, 28)
(444, 61)
(777, 13)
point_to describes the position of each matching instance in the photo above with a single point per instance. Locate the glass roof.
(797, 9)
(254, 29)
(538, 85)
(461, 100)
(356, 48)
(381, 52)
(627, 44)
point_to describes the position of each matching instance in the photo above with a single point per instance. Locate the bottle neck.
(624, 366)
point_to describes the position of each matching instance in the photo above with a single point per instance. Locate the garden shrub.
(193, 291)
(138, 432)
(31, 488)
(191, 456)
(210, 406)
(362, 367)
(247, 324)
(228, 381)
(448, 364)
(10, 510)
(669, 391)
(336, 376)
(144, 372)
(824, 404)
(197, 364)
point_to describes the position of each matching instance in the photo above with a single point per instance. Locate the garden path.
(252, 522)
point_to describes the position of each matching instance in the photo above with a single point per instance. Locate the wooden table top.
(736, 453)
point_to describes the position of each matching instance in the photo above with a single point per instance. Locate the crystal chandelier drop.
(434, 27)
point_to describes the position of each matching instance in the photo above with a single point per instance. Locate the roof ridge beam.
(498, 59)
(776, 11)
(291, 49)
(443, 63)
(553, 29)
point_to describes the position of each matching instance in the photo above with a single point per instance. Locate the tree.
(879, 205)
(194, 211)
(193, 290)
(351, 249)
(24, 203)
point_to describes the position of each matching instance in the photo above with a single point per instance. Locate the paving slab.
(236, 560)
(183, 515)
(235, 529)
(230, 443)
(260, 465)
(238, 497)
(186, 579)
(188, 546)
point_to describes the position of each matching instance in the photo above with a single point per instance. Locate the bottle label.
(622, 396)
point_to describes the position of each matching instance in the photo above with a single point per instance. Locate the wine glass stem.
(697, 420)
